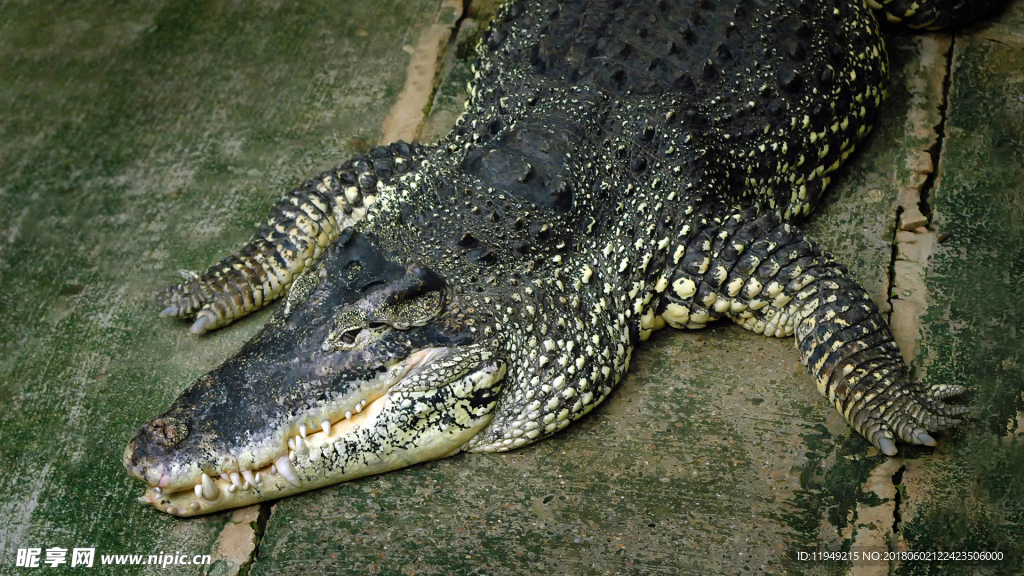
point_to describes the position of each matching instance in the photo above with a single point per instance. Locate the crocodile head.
(371, 364)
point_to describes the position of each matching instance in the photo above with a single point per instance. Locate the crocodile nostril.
(166, 431)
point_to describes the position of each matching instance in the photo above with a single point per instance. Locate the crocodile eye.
(349, 336)
(354, 336)
(346, 338)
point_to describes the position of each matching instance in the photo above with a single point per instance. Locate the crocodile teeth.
(291, 444)
(284, 466)
(300, 446)
(210, 491)
(194, 505)
(259, 478)
(236, 480)
(326, 426)
(199, 489)
(145, 500)
(348, 415)
(302, 430)
(273, 470)
(247, 474)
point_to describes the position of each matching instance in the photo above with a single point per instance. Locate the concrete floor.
(143, 138)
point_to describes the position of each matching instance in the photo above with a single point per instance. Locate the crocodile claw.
(200, 325)
(909, 412)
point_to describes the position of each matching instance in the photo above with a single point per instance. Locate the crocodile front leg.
(300, 226)
(765, 276)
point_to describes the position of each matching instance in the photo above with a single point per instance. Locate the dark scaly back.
(576, 106)
(770, 98)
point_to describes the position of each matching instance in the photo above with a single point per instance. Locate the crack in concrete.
(448, 101)
(467, 9)
(911, 242)
(894, 253)
(914, 237)
(940, 134)
(897, 482)
(259, 529)
(409, 112)
(874, 522)
(233, 552)
(442, 62)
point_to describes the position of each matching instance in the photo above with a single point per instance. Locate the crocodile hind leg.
(765, 276)
(300, 226)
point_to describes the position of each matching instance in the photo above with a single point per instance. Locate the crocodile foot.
(901, 410)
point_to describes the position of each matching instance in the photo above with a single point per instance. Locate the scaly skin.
(620, 167)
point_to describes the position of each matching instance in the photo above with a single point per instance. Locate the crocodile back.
(777, 95)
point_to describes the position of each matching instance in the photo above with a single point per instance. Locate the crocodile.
(621, 166)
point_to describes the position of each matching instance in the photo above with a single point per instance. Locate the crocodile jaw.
(415, 421)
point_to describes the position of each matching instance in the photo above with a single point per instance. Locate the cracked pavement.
(149, 137)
